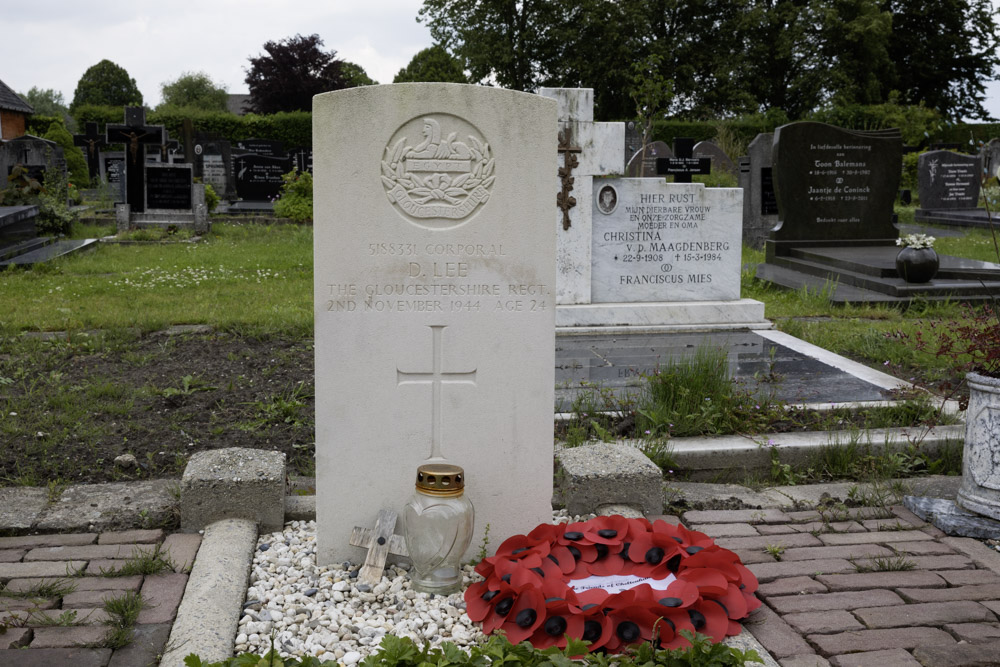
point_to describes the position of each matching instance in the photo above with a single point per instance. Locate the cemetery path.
(71, 407)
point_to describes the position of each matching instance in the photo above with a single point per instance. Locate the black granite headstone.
(833, 184)
(168, 187)
(303, 159)
(267, 147)
(768, 202)
(948, 180)
(258, 177)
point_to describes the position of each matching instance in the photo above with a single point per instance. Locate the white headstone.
(598, 152)
(659, 241)
(435, 300)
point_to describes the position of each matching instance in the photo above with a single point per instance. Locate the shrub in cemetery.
(211, 197)
(21, 188)
(296, 199)
(75, 161)
(54, 214)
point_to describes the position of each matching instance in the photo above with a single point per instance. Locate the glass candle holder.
(438, 525)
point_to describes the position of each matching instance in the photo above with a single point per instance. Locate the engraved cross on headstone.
(94, 141)
(436, 377)
(564, 200)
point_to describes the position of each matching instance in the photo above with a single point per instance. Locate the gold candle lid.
(440, 479)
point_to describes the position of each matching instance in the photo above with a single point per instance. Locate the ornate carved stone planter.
(980, 491)
(917, 265)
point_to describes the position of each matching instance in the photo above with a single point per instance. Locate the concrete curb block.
(209, 613)
(745, 641)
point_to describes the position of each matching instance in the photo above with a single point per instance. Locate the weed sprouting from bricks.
(897, 563)
(123, 613)
(141, 562)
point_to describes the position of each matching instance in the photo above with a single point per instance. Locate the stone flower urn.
(917, 265)
(980, 490)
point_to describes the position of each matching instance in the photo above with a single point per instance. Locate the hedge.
(292, 129)
(920, 126)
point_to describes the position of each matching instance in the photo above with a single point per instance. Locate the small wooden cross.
(380, 542)
(564, 200)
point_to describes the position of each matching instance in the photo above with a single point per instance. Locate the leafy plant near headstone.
(296, 200)
(404, 652)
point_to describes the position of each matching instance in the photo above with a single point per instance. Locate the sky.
(51, 43)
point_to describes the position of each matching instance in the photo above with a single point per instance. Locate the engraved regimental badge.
(441, 179)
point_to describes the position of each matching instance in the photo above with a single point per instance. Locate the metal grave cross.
(682, 166)
(436, 377)
(380, 542)
(94, 141)
(136, 135)
(564, 200)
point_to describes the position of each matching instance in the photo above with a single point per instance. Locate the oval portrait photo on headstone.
(437, 170)
(607, 200)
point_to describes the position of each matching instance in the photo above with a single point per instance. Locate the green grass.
(248, 278)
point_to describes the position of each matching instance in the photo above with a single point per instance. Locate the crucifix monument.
(136, 135)
(94, 141)
(435, 300)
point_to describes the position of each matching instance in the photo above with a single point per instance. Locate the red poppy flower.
(597, 628)
(709, 618)
(631, 625)
(653, 554)
(526, 615)
(562, 617)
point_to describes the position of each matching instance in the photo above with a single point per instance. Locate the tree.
(944, 52)
(432, 64)
(856, 42)
(508, 42)
(47, 102)
(291, 73)
(355, 75)
(106, 84)
(194, 89)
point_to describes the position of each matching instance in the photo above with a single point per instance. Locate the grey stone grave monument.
(642, 164)
(434, 305)
(112, 166)
(835, 190)
(35, 154)
(720, 161)
(760, 207)
(948, 185)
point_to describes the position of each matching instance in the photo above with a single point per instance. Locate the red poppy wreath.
(611, 581)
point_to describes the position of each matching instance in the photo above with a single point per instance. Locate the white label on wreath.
(617, 583)
(437, 169)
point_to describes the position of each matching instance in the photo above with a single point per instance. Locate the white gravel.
(324, 612)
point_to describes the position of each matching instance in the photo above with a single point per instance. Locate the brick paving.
(829, 599)
(69, 628)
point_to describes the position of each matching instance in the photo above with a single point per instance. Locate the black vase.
(917, 265)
